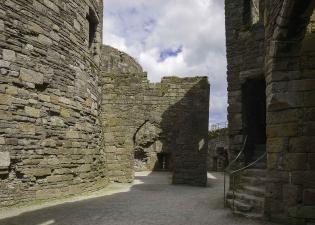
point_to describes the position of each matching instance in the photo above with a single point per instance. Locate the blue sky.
(173, 38)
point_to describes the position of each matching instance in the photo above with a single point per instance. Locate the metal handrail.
(249, 165)
(226, 170)
(239, 154)
(242, 169)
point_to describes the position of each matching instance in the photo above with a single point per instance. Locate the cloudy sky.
(173, 37)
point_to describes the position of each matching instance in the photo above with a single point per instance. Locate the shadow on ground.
(150, 201)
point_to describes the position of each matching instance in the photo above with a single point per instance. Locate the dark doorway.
(163, 162)
(254, 119)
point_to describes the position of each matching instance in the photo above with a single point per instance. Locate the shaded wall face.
(290, 113)
(184, 126)
(174, 133)
(49, 99)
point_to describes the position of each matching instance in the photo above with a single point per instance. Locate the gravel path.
(151, 200)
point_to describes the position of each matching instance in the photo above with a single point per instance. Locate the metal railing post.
(233, 177)
(224, 192)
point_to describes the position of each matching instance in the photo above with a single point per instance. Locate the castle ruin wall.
(142, 120)
(49, 99)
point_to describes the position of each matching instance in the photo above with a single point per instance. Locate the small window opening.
(93, 22)
(250, 12)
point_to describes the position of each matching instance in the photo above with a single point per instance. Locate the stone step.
(256, 191)
(253, 181)
(250, 215)
(249, 198)
(239, 206)
(260, 165)
(254, 172)
(252, 200)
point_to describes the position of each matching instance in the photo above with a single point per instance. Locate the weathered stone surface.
(2, 140)
(8, 55)
(5, 99)
(31, 76)
(1, 25)
(72, 134)
(4, 159)
(33, 112)
(38, 172)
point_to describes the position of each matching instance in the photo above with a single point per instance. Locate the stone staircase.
(250, 190)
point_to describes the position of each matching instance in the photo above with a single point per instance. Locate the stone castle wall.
(49, 100)
(143, 119)
(278, 48)
(290, 79)
(245, 56)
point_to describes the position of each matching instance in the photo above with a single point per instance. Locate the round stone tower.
(49, 99)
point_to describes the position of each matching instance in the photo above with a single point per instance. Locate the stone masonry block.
(282, 130)
(277, 144)
(302, 144)
(4, 160)
(31, 76)
(8, 55)
(33, 112)
(309, 196)
(295, 161)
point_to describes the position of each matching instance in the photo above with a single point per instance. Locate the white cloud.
(144, 29)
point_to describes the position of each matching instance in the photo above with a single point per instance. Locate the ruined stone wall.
(121, 111)
(140, 119)
(49, 99)
(181, 107)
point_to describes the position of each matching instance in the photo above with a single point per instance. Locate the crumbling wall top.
(115, 61)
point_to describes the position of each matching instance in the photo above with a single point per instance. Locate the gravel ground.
(151, 200)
